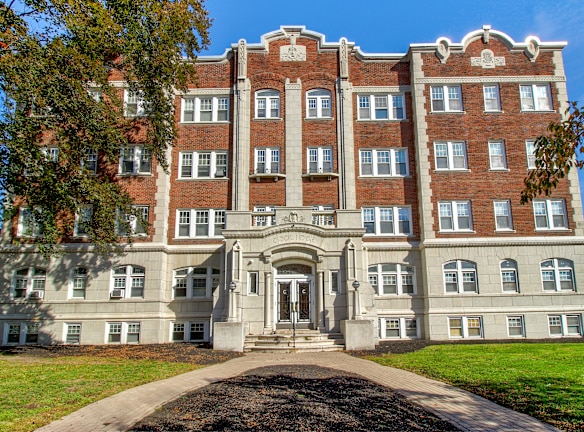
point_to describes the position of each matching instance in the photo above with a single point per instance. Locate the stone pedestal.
(359, 335)
(228, 336)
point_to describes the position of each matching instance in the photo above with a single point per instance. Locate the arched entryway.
(295, 294)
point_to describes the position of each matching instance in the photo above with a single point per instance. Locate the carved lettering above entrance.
(293, 238)
(487, 60)
(294, 269)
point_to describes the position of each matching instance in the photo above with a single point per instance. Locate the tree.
(555, 154)
(53, 53)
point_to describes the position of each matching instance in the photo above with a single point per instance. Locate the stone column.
(294, 153)
(319, 293)
(268, 289)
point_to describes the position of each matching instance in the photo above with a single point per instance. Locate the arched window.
(460, 276)
(509, 276)
(267, 104)
(557, 274)
(318, 104)
(127, 281)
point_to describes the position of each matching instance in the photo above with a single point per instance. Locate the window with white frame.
(51, 154)
(267, 104)
(127, 281)
(557, 274)
(190, 332)
(383, 162)
(192, 282)
(83, 220)
(253, 283)
(334, 282)
(29, 282)
(135, 160)
(565, 325)
(320, 160)
(200, 223)
(399, 328)
(550, 214)
(29, 222)
(387, 220)
(530, 151)
(455, 216)
(89, 161)
(323, 215)
(465, 327)
(392, 279)
(318, 103)
(492, 98)
(515, 326)
(13, 333)
(134, 104)
(203, 164)
(446, 98)
(509, 279)
(264, 216)
(78, 282)
(450, 155)
(535, 97)
(205, 109)
(460, 277)
(134, 223)
(123, 332)
(381, 107)
(503, 221)
(22, 333)
(497, 157)
(267, 160)
(72, 333)
(94, 94)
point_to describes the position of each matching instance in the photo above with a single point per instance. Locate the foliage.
(556, 153)
(51, 53)
(544, 380)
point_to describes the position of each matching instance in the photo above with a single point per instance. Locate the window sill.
(199, 238)
(385, 177)
(447, 112)
(222, 122)
(261, 119)
(505, 231)
(320, 175)
(318, 118)
(135, 174)
(499, 170)
(259, 176)
(383, 120)
(389, 296)
(464, 293)
(494, 112)
(404, 236)
(537, 111)
(191, 298)
(457, 232)
(444, 170)
(184, 179)
(553, 230)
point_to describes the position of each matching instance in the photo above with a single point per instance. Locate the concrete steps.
(284, 341)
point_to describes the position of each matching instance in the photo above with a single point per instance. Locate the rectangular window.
(264, 216)
(335, 281)
(398, 328)
(550, 214)
(51, 154)
(565, 325)
(385, 107)
(535, 97)
(497, 156)
(135, 160)
(203, 165)
(450, 155)
(320, 160)
(29, 222)
(503, 220)
(384, 162)
(78, 282)
(253, 283)
(114, 333)
(32, 333)
(446, 98)
(530, 151)
(133, 334)
(381, 220)
(134, 104)
(73, 333)
(267, 160)
(515, 326)
(13, 336)
(83, 221)
(455, 216)
(492, 99)
(137, 223)
(89, 161)
(197, 332)
(178, 332)
(465, 327)
(397, 279)
(205, 109)
(200, 223)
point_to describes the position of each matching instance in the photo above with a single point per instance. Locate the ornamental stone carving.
(293, 218)
(293, 52)
(487, 60)
(532, 49)
(241, 59)
(344, 58)
(443, 50)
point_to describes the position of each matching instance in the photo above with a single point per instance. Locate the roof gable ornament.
(443, 50)
(486, 30)
(487, 60)
(532, 49)
(293, 52)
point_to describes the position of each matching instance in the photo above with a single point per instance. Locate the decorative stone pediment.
(487, 60)
(293, 52)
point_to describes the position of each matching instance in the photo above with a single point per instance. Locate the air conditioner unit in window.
(117, 293)
(36, 294)
(220, 173)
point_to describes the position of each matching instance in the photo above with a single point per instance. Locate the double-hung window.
(195, 282)
(320, 160)
(134, 105)
(323, 215)
(189, 331)
(134, 223)
(509, 279)
(89, 161)
(29, 282)
(565, 325)
(203, 164)
(497, 156)
(455, 216)
(72, 333)
(530, 152)
(207, 109)
(318, 104)
(460, 277)
(465, 327)
(503, 221)
(127, 281)
(267, 160)
(391, 221)
(550, 214)
(535, 97)
(446, 98)
(392, 279)
(30, 222)
(78, 282)
(492, 98)
(515, 326)
(381, 107)
(83, 220)
(398, 328)
(135, 160)
(384, 162)
(557, 274)
(450, 155)
(123, 332)
(200, 223)
(267, 104)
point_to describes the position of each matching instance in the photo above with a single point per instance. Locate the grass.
(543, 380)
(37, 391)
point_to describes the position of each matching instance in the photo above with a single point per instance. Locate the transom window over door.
(318, 104)
(267, 104)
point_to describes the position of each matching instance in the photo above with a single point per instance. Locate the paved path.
(466, 411)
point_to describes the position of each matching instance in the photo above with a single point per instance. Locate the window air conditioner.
(36, 294)
(117, 293)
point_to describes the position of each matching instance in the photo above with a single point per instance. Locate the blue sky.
(390, 25)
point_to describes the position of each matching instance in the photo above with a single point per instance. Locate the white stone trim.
(382, 89)
(490, 79)
(205, 91)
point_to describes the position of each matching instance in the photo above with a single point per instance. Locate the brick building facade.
(317, 188)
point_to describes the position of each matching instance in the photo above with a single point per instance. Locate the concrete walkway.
(466, 411)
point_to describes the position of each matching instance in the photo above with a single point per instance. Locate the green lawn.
(540, 379)
(36, 391)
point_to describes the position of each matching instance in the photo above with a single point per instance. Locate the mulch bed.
(292, 398)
